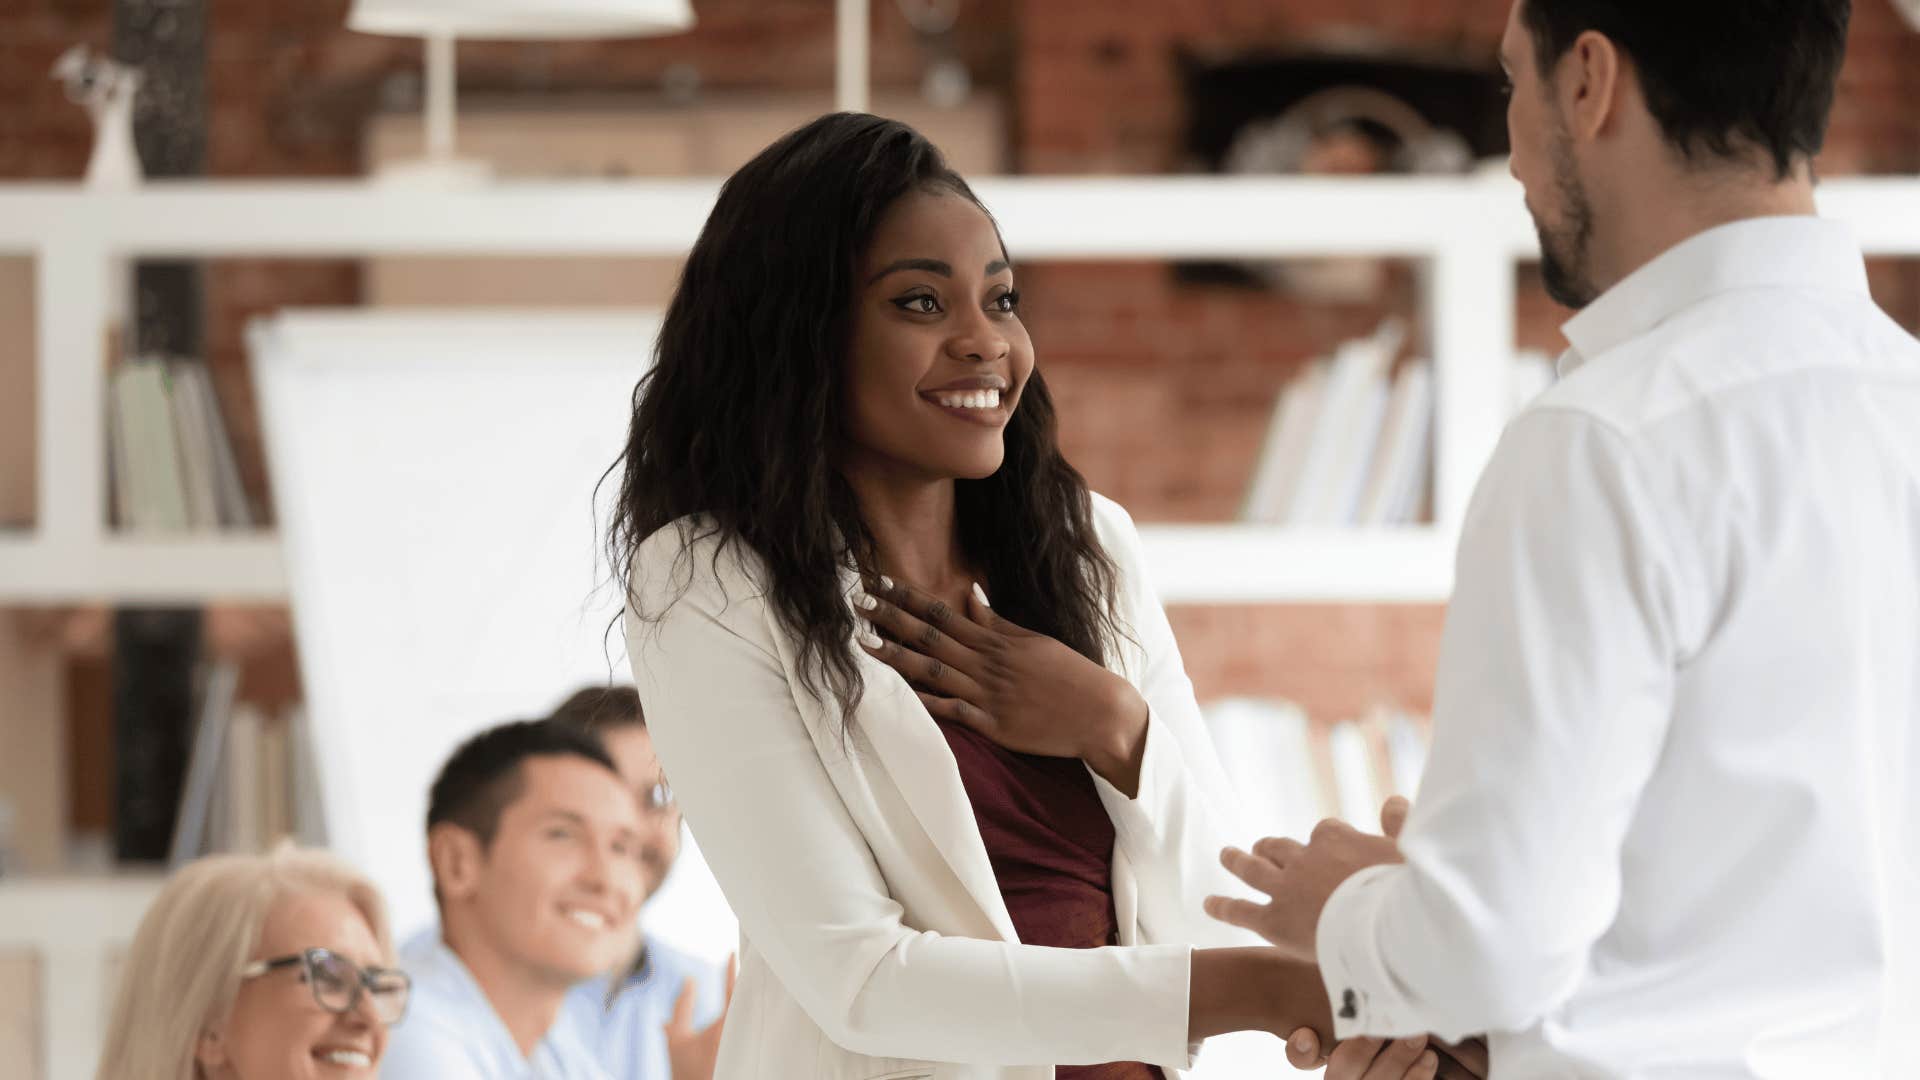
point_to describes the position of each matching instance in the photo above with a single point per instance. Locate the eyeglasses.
(337, 982)
(656, 799)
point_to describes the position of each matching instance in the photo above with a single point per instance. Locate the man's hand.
(1421, 1057)
(1298, 879)
(1416, 1058)
(691, 1054)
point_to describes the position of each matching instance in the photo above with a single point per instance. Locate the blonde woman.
(257, 967)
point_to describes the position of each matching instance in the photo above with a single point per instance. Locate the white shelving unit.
(1469, 233)
(78, 927)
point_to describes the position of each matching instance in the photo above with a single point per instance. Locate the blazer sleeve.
(807, 891)
(1185, 810)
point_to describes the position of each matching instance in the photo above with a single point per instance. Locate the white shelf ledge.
(1192, 564)
(1258, 564)
(147, 570)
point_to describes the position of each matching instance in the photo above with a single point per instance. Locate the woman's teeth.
(350, 1058)
(969, 399)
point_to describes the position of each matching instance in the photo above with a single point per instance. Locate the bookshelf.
(1468, 233)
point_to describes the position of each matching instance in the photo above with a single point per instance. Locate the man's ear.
(457, 858)
(210, 1050)
(1595, 75)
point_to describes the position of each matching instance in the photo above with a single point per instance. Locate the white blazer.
(874, 942)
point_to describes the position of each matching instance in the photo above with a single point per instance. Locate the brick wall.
(1165, 388)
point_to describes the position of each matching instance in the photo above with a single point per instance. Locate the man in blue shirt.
(658, 1017)
(536, 845)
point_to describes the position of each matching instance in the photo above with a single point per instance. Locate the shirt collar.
(1765, 252)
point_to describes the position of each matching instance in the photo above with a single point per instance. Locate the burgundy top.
(1051, 844)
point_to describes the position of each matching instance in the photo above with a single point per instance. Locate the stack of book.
(1290, 772)
(251, 781)
(1350, 444)
(173, 467)
(1351, 441)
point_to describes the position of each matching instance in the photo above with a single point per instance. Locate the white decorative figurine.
(107, 88)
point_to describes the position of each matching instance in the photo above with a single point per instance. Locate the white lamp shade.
(521, 20)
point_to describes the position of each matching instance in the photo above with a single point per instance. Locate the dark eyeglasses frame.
(363, 983)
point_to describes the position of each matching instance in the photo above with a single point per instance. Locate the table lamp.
(441, 22)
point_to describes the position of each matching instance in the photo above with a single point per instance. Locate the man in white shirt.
(1670, 822)
(658, 1015)
(535, 844)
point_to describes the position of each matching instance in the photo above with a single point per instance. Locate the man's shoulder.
(1710, 355)
(432, 1043)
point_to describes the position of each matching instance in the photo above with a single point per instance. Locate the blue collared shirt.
(451, 1031)
(626, 1028)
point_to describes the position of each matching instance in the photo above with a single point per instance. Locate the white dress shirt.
(1670, 820)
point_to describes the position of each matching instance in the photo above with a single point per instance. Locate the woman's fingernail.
(1301, 1044)
(867, 636)
(980, 594)
(1414, 1042)
(864, 602)
(886, 583)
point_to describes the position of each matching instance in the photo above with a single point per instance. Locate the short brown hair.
(599, 709)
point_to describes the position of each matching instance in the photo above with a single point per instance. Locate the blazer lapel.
(916, 756)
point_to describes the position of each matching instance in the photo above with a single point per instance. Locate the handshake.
(1297, 880)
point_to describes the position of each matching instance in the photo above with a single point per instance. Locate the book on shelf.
(1290, 771)
(1356, 779)
(1406, 740)
(1402, 466)
(172, 464)
(1322, 460)
(309, 819)
(243, 829)
(1351, 439)
(1277, 474)
(193, 830)
(1340, 431)
(249, 784)
(155, 496)
(155, 653)
(1268, 755)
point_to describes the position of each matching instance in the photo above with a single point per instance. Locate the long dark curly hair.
(741, 417)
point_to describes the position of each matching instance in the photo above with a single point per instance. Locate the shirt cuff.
(1359, 987)
(1132, 817)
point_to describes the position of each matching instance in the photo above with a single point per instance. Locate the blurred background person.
(535, 844)
(658, 1014)
(257, 967)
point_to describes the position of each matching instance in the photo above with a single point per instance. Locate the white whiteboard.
(434, 476)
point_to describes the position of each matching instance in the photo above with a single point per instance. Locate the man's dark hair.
(483, 776)
(1719, 75)
(600, 709)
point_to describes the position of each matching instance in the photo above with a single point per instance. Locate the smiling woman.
(257, 967)
(962, 841)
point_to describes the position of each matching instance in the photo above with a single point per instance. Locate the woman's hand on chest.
(1024, 690)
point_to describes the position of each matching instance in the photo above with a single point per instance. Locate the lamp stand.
(439, 166)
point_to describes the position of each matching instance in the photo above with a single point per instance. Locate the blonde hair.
(183, 970)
